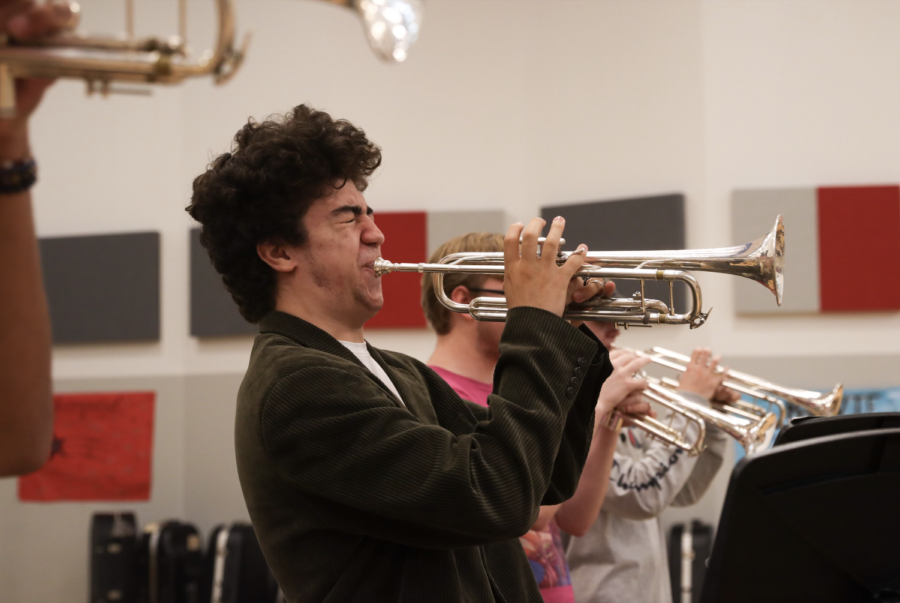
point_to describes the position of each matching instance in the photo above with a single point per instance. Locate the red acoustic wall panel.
(405, 240)
(102, 449)
(859, 248)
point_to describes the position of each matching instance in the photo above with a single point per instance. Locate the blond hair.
(435, 312)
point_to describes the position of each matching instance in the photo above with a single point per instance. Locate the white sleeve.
(642, 488)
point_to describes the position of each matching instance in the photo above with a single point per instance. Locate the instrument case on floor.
(170, 563)
(689, 550)
(235, 568)
(113, 558)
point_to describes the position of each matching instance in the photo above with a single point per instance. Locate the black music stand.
(817, 520)
(803, 428)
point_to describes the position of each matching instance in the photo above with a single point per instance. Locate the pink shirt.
(543, 549)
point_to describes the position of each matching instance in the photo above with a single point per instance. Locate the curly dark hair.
(261, 190)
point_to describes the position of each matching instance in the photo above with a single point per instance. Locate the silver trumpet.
(753, 428)
(100, 61)
(761, 260)
(818, 404)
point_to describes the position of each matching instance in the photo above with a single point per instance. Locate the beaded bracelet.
(17, 176)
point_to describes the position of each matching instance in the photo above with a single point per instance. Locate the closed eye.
(355, 210)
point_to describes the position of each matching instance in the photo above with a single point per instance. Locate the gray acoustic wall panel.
(102, 288)
(647, 223)
(445, 225)
(213, 312)
(753, 214)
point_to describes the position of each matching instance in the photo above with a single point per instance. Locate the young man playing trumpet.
(619, 552)
(465, 356)
(366, 476)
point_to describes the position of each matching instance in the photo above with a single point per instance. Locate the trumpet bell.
(769, 253)
(761, 260)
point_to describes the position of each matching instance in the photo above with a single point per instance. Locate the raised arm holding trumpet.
(26, 406)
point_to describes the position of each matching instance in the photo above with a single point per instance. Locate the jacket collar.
(305, 333)
(310, 336)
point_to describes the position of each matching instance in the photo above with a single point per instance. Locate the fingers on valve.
(551, 242)
(511, 243)
(530, 238)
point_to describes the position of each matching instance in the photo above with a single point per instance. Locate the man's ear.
(461, 295)
(279, 257)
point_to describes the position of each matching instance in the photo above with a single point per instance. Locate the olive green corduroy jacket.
(356, 497)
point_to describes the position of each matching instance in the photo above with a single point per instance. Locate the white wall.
(511, 104)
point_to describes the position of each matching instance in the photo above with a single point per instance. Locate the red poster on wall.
(102, 450)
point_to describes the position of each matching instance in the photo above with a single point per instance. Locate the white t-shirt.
(360, 351)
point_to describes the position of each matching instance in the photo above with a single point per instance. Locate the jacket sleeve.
(370, 467)
(579, 431)
(643, 488)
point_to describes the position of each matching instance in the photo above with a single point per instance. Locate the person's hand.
(23, 20)
(622, 389)
(632, 410)
(537, 281)
(726, 395)
(701, 375)
(581, 290)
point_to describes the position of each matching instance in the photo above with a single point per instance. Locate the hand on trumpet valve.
(537, 280)
(581, 290)
(726, 395)
(702, 375)
(633, 410)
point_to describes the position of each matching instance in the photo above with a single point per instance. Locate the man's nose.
(372, 235)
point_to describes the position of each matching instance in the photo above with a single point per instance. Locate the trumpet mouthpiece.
(382, 267)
